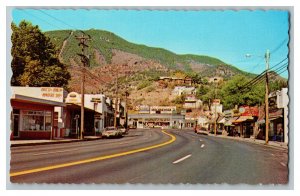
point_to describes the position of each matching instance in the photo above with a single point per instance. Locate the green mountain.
(108, 53)
(104, 44)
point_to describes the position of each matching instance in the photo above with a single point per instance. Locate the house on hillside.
(191, 102)
(187, 90)
(177, 81)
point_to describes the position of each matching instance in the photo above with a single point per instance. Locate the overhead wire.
(261, 77)
(40, 19)
(74, 28)
(279, 46)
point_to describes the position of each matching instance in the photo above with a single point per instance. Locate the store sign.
(96, 100)
(73, 97)
(248, 111)
(276, 113)
(273, 103)
(46, 93)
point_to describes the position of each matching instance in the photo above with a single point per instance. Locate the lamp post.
(267, 59)
(215, 79)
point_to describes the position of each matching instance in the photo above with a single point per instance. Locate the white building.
(216, 108)
(278, 114)
(191, 102)
(202, 121)
(180, 90)
(99, 103)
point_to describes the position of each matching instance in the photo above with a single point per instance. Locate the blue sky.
(227, 35)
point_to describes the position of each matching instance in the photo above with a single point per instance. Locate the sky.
(240, 38)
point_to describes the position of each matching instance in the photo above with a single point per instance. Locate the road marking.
(182, 159)
(201, 140)
(123, 143)
(44, 153)
(202, 145)
(173, 138)
(283, 164)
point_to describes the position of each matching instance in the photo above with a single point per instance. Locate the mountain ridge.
(108, 52)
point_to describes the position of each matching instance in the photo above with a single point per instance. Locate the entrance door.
(16, 125)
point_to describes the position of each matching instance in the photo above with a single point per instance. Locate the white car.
(111, 132)
(123, 130)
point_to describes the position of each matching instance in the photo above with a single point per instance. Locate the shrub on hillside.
(143, 84)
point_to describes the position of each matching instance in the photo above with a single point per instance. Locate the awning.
(275, 117)
(78, 107)
(26, 99)
(229, 121)
(242, 119)
(222, 121)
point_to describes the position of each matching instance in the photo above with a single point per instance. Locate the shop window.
(37, 120)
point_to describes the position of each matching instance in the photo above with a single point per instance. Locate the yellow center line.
(173, 138)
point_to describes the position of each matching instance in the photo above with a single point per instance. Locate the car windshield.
(110, 128)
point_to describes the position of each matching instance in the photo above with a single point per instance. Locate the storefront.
(276, 132)
(229, 127)
(33, 118)
(93, 118)
(244, 126)
(157, 120)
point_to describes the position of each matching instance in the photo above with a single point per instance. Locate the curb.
(279, 146)
(54, 142)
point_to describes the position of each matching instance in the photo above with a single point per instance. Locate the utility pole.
(85, 61)
(116, 102)
(215, 108)
(267, 57)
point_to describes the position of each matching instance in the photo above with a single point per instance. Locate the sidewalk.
(15, 143)
(274, 144)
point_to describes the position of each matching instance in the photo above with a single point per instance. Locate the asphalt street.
(151, 156)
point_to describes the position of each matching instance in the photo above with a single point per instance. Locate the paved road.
(151, 156)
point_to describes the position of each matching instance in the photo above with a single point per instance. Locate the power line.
(261, 75)
(280, 68)
(256, 66)
(258, 77)
(279, 46)
(261, 78)
(41, 19)
(58, 19)
(279, 63)
(283, 71)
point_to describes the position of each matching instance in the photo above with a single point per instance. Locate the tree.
(179, 99)
(196, 78)
(233, 93)
(201, 91)
(35, 60)
(277, 85)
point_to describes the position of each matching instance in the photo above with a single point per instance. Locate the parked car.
(202, 131)
(111, 132)
(131, 126)
(218, 131)
(124, 130)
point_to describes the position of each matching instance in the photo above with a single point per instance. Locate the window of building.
(37, 120)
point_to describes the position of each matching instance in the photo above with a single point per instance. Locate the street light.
(215, 81)
(267, 59)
